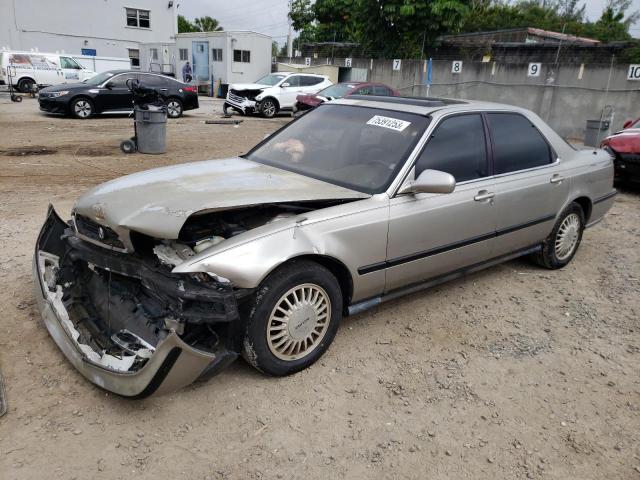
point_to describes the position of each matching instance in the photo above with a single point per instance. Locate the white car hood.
(248, 86)
(158, 202)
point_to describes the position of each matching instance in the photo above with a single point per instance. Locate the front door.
(117, 96)
(70, 69)
(433, 234)
(530, 187)
(288, 94)
(200, 61)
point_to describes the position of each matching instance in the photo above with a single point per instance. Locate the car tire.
(268, 108)
(174, 108)
(25, 85)
(563, 242)
(292, 319)
(81, 108)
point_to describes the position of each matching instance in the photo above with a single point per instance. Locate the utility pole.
(289, 37)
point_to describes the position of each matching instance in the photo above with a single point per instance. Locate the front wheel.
(174, 108)
(293, 318)
(81, 108)
(268, 108)
(561, 246)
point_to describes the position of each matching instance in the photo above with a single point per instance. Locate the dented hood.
(157, 202)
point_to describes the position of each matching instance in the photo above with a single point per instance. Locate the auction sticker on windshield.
(388, 122)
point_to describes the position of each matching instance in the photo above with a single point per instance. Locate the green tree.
(274, 49)
(185, 26)
(207, 24)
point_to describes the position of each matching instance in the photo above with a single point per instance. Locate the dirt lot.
(514, 372)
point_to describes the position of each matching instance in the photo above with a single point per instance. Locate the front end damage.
(244, 101)
(125, 321)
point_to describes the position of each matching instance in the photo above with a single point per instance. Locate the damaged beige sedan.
(166, 276)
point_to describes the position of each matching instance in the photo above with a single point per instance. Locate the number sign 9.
(534, 70)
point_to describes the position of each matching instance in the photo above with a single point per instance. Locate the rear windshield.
(356, 147)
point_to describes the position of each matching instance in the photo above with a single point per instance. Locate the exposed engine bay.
(118, 307)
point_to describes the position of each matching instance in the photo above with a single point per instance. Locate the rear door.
(530, 188)
(432, 234)
(310, 84)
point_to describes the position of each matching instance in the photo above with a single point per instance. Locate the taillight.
(190, 89)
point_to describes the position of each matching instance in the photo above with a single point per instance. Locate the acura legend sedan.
(166, 276)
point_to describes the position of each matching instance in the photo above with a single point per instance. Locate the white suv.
(273, 92)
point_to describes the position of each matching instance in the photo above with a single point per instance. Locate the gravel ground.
(513, 372)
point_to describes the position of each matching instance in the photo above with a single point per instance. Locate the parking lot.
(513, 372)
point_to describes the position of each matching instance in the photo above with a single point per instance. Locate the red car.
(341, 90)
(624, 146)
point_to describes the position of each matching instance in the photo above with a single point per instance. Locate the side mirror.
(285, 84)
(109, 85)
(627, 124)
(430, 181)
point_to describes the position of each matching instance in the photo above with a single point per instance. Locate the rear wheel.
(293, 318)
(25, 85)
(128, 146)
(81, 108)
(268, 108)
(561, 246)
(174, 108)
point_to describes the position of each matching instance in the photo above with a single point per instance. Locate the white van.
(29, 69)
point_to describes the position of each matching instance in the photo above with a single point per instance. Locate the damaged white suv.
(272, 93)
(166, 276)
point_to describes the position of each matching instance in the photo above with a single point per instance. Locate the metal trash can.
(595, 132)
(151, 129)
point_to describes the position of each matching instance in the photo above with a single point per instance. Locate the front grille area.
(87, 227)
(234, 97)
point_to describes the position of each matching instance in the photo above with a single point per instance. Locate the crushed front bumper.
(171, 365)
(243, 104)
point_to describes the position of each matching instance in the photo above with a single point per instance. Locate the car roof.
(422, 105)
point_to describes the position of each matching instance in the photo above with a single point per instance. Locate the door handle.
(557, 178)
(484, 195)
(164, 89)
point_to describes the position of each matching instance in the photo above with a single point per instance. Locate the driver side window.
(293, 81)
(457, 146)
(69, 63)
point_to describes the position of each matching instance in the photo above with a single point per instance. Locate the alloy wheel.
(299, 322)
(567, 236)
(269, 109)
(82, 108)
(173, 109)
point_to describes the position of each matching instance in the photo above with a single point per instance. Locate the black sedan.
(108, 92)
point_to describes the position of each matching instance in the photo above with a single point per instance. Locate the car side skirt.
(431, 282)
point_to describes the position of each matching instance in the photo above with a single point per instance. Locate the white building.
(230, 56)
(105, 28)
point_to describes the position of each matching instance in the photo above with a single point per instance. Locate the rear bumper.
(173, 363)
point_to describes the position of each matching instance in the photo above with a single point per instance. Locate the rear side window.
(458, 147)
(380, 90)
(153, 81)
(517, 143)
(307, 81)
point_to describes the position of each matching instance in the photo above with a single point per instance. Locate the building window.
(243, 56)
(153, 53)
(138, 18)
(184, 54)
(134, 57)
(216, 54)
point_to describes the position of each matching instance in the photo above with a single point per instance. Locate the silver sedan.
(166, 276)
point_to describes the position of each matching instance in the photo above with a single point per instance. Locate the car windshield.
(100, 78)
(336, 91)
(635, 124)
(356, 147)
(271, 79)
